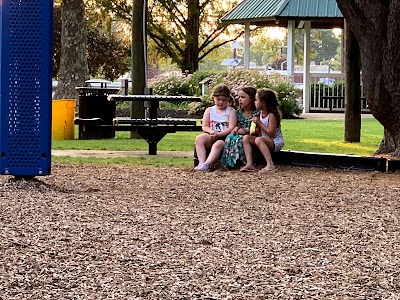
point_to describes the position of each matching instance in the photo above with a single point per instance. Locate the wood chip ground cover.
(113, 232)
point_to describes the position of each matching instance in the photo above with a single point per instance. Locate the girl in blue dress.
(233, 152)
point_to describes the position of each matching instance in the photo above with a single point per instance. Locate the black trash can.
(93, 103)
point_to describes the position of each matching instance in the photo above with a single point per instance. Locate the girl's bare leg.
(248, 140)
(266, 144)
(202, 142)
(216, 149)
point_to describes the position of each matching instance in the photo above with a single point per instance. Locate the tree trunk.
(376, 26)
(73, 60)
(138, 47)
(352, 124)
(190, 57)
(138, 74)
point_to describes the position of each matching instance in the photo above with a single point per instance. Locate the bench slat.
(153, 122)
(152, 97)
(169, 128)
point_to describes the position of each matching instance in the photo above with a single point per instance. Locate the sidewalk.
(109, 154)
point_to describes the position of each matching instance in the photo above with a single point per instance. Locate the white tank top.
(219, 122)
(278, 138)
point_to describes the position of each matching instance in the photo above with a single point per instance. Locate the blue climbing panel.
(25, 87)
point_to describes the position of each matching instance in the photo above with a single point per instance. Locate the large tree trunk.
(73, 61)
(376, 25)
(190, 57)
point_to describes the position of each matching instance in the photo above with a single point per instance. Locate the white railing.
(327, 93)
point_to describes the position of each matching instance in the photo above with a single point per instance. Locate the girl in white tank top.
(218, 121)
(278, 138)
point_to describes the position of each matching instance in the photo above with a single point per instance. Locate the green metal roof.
(324, 13)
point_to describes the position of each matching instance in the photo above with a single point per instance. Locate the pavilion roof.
(321, 13)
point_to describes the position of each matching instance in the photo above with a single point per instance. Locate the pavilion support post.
(352, 125)
(290, 49)
(306, 71)
(246, 45)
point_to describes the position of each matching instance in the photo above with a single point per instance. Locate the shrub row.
(235, 79)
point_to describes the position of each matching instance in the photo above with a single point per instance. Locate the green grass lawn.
(299, 134)
(327, 136)
(324, 136)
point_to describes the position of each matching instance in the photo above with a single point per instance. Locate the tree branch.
(173, 9)
(204, 54)
(164, 38)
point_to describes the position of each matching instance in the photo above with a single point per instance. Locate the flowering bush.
(287, 99)
(175, 85)
(235, 79)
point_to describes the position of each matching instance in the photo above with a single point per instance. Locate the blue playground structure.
(25, 87)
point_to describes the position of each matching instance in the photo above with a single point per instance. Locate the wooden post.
(139, 68)
(352, 126)
(306, 74)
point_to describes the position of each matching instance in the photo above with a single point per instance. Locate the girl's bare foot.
(268, 169)
(247, 168)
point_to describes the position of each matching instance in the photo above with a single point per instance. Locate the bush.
(198, 108)
(235, 79)
(196, 78)
(287, 99)
(171, 86)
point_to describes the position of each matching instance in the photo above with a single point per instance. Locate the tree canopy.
(107, 54)
(185, 31)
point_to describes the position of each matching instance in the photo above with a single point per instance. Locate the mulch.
(121, 232)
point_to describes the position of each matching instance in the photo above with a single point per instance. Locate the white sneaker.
(198, 166)
(203, 167)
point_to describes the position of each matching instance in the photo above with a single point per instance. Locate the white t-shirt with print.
(219, 122)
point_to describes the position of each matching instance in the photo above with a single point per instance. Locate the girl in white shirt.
(218, 121)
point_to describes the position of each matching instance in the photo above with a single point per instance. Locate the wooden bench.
(150, 129)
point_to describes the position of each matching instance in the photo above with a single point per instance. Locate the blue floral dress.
(233, 149)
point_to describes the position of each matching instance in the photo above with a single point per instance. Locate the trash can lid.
(98, 82)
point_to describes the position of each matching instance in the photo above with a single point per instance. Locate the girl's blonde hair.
(269, 98)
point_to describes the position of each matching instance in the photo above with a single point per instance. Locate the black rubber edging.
(393, 165)
(327, 160)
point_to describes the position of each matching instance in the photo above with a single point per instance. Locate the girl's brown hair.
(249, 90)
(270, 100)
(221, 90)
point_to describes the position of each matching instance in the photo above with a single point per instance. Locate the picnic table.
(151, 128)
